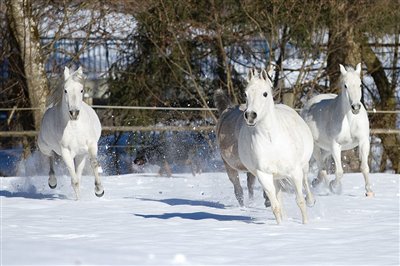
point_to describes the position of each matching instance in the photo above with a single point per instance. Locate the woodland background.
(177, 53)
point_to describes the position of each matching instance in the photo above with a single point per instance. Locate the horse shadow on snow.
(194, 215)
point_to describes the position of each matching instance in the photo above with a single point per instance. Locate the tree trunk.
(24, 29)
(342, 46)
(343, 49)
(390, 142)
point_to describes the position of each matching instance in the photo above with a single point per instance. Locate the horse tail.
(221, 100)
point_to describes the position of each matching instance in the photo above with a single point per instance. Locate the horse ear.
(342, 69)
(264, 75)
(270, 69)
(80, 71)
(358, 68)
(66, 73)
(251, 74)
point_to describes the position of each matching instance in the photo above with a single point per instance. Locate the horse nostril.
(250, 115)
(74, 114)
(356, 106)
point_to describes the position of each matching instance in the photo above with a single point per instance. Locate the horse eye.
(65, 91)
(81, 91)
(265, 94)
(345, 86)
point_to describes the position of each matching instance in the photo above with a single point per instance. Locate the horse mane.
(350, 68)
(221, 100)
(56, 92)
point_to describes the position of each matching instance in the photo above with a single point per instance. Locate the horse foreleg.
(98, 187)
(364, 151)
(267, 183)
(52, 178)
(250, 184)
(69, 161)
(298, 185)
(234, 178)
(336, 185)
(267, 202)
(279, 196)
(79, 165)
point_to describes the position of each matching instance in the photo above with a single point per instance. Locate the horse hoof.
(310, 203)
(53, 186)
(315, 182)
(370, 194)
(100, 194)
(335, 188)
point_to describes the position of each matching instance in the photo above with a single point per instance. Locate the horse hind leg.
(319, 159)
(267, 202)
(250, 184)
(298, 181)
(52, 178)
(234, 178)
(310, 200)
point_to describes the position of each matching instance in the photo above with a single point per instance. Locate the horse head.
(73, 91)
(259, 96)
(351, 85)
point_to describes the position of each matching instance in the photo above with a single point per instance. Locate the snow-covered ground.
(144, 219)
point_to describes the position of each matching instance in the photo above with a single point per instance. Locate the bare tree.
(25, 30)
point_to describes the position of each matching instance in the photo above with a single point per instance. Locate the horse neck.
(342, 106)
(269, 123)
(63, 112)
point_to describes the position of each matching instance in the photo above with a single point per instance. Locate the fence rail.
(33, 133)
(166, 128)
(161, 108)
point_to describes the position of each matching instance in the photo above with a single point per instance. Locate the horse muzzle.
(250, 117)
(74, 114)
(355, 108)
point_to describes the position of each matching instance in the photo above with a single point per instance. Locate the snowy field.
(144, 219)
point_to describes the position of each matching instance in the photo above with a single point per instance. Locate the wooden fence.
(207, 128)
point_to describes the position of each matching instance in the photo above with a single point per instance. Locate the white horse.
(71, 128)
(273, 142)
(339, 122)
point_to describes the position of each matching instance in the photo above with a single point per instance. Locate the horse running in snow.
(269, 141)
(71, 129)
(339, 122)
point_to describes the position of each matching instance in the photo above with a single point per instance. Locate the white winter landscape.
(144, 219)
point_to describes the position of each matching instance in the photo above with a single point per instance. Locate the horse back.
(297, 131)
(93, 119)
(328, 123)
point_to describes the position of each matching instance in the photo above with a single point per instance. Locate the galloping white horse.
(339, 122)
(273, 142)
(71, 128)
